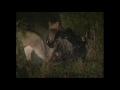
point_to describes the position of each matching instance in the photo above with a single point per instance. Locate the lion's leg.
(28, 50)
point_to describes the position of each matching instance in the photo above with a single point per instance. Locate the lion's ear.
(57, 23)
(49, 23)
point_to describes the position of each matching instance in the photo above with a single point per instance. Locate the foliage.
(21, 27)
(68, 69)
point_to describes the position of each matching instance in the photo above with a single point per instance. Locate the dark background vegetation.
(38, 22)
(38, 17)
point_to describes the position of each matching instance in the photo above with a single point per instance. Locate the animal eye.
(47, 41)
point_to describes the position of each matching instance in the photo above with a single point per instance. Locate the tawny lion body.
(32, 41)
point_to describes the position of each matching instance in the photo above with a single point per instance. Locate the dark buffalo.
(68, 44)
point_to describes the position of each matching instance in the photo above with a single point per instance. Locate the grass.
(68, 69)
(93, 68)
